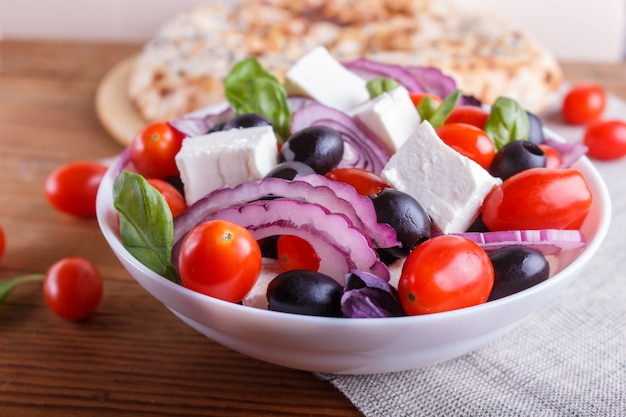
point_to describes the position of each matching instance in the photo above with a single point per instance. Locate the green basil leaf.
(146, 223)
(426, 108)
(442, 112)
(507, 122)
(249, 88)
(377, 86)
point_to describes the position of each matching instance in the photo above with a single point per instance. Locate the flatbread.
(182, 68)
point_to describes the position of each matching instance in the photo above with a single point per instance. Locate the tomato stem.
(7, 286)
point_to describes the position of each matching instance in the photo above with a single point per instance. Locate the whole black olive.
(320, 147)
(246, 120)
(405, 214)
(290, 170)
(305, 292)
(516, 156)
(517, 268)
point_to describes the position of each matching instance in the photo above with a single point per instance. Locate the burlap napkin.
(568, 359)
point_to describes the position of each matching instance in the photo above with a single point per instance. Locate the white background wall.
(573, 29)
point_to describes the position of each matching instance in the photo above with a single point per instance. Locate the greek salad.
(352, 189)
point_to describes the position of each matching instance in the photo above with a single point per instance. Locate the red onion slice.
(201, 121)
(372, 154)
(433, 80)
(569, 151)
(336, 197)
(546, 241)
(341, 247)
(368, 69)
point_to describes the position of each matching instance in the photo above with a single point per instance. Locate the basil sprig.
(507, 122)
(146, 223)
(436, 115)
(379, 85)
(249, 88)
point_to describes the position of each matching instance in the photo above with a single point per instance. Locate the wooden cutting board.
(114, 109)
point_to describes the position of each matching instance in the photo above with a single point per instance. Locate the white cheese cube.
(391, 116)
(225, 158)
(319, 76)
(449, 186)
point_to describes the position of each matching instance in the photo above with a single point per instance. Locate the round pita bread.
(182, 68)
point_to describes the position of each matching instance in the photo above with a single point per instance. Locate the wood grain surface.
(132, 357)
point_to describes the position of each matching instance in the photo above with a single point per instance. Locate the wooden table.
(132, 357)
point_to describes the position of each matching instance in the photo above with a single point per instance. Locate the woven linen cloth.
(567, 359)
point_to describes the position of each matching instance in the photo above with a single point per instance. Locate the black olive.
(320, 147)
(406, 216)
(290, 170)
(516, 156)
(536, 129)
(517, 268)
(246, 120)
(305, 292)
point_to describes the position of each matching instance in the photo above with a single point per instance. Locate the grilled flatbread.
(182, 68)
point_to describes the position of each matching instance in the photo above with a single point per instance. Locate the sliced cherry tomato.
(154, 148)
(471, 115)
(220, 259)
(553, 157)
(584, 103)
(470, 141)
(445, 273)
(72, 288)
(294, 252)
(538, 198)
(72, 188)
(417, 98)
(365, 182)
(175, 200)
(606, 139)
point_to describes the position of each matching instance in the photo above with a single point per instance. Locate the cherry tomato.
(417, 98)
(606, 139)
(365, 182)
(469, 141)
(445, 273)
(553, 157)
(294, 252)
(72, 188)
(175, 200)
(472, 115)
(2, 242)
(220, 259)
(583, 103)
(538, 198)
(72, 288)
(154, 148)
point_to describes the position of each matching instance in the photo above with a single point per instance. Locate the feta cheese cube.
(391, 116)
(225, 158)
(449, 186)
(319, 76)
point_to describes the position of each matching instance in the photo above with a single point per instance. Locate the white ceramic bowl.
(358, 346)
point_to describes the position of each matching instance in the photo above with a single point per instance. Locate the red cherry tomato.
(445, 273)
(470, 141)
(365, 182)
(72, 288)
(2, 242)
(471, 115)
(154, 148)
(538, 198)
(606, 139)
(417, 98)
(553, 158)
(220, 259)
(174, 199)
(584, 103)
(72, 188)
(294, 252)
